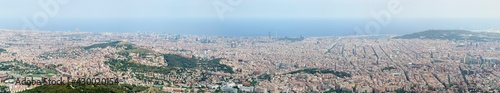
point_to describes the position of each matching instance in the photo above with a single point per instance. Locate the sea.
(257, 27)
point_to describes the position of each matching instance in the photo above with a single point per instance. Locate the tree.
(330, 91)
(400, 90)
(354, 88)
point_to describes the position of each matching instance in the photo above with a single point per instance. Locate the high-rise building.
(416, 56)
(432, 54)
(270, 35)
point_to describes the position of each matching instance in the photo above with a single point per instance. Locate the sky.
(179, 16)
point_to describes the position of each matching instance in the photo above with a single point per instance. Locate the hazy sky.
(254, 8)
(73, 11)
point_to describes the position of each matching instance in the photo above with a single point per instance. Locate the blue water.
(253, 27)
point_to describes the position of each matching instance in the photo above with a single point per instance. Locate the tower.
(233, 44)
(466, 46)
(416, 55)
(270, 34)
(432, 54)
(276, 35)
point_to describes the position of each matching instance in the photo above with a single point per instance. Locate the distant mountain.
(452, 35)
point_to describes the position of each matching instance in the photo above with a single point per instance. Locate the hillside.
(452, 35)
(116, 44)
(75, 88)
(321, 71)
(127, 47)
(129, 60)
(22, 68)
(175, 62)
(75, 53)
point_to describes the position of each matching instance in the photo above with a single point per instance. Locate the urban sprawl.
(259, 64)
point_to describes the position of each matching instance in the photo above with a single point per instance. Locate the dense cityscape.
(261, 64)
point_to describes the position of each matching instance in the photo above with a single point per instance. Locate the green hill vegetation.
(175, 63)
(128, 48)
(339, 91)
(116, 44)
(387, 68)
(75, 88)
(437, 34)
(152, 90)
(4, 89)
(321, 71)
(452, 35)
(19, 67)
(135, 50)
(126, 65)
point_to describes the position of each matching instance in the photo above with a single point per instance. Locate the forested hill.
(452, 35)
